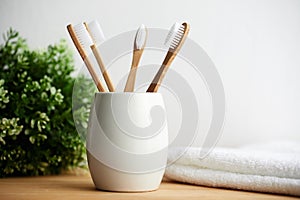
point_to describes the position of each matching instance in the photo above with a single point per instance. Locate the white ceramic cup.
(127, 141)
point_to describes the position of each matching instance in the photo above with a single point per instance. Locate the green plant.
(37, 131)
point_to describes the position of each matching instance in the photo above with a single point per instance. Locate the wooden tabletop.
(81, 187)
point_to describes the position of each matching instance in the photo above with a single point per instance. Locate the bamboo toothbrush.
(80, 43)
(176, 38)
(97, 36)
(138, 48)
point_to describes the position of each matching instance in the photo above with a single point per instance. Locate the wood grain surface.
(81, 187)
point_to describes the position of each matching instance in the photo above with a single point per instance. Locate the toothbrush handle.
(108, 81)
(85, 58)
(106, 77)
(161, 72)
(94, 75)
(129, 87)
(137, 54)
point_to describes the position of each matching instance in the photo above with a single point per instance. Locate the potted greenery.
(37, 130)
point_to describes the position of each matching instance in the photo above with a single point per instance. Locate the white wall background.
(255, 45)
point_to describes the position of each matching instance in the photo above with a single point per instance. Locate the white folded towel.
(273, 167)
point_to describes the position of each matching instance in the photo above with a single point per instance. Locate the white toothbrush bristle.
(174, 36)
(83, 36)
(96, 32)
(140, 37)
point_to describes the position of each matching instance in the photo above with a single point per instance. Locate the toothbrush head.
(140, 37)
(177, 36)
(96, 32)
(83, 36)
